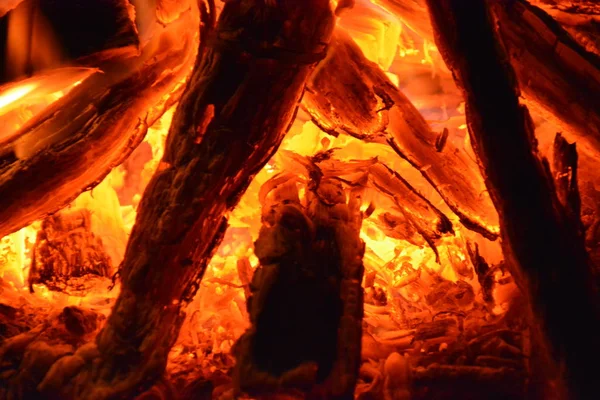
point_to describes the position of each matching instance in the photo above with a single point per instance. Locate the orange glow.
(399, 271)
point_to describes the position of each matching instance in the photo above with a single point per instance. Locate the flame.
(217, 316)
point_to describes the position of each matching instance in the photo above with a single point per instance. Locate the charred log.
(239, 102)
(349, 94)
(75, 142)
(547, 254)
(306, 304)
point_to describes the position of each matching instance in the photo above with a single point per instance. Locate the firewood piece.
(350, 94)
(555, 72)
(306, 306)
(66, 247)
(547, 255)
(553, 69)
(483, 271)
(74, 143)
(238, 104)
(564, 163)
(580, 18)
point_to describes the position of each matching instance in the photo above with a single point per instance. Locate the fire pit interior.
(286, 199)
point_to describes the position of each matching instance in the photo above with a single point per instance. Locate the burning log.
(239, 102)
(75, 142)
(580, 18)
(546, 251)
(306, 306)
(66, 247)
(554, 71)
(349, 94)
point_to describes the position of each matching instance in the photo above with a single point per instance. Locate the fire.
(398, 273)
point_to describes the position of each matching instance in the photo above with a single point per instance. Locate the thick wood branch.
(547, 254)
(350, 94)
(238, 105)
(74, 143)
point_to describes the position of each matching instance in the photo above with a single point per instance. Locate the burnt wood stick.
(555, 72)
(350, 94)
(74, 143)
(545, 251)
(239, 102)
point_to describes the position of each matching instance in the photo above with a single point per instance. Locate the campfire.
(284, 199)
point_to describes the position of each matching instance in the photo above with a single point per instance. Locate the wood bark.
(74, 143)
(238, 105)
(545, 251)
(349, 94)
(556, 73)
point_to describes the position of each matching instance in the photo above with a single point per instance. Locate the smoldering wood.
(350, 94)
(87, 32)
(66, 247)
(238, 104)
(306, 306)
(74, 143)
(546, 254)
